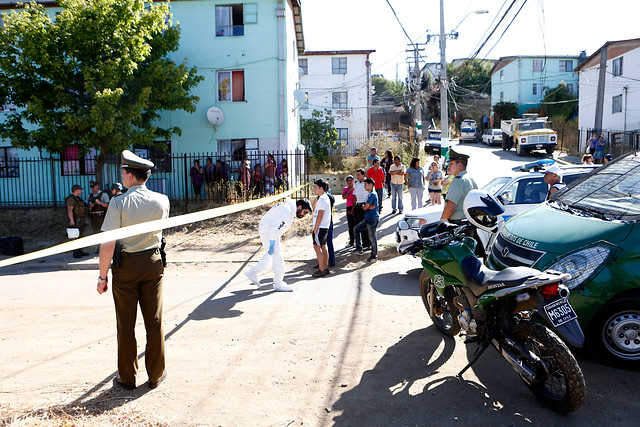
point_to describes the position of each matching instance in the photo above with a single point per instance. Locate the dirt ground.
(353, 349)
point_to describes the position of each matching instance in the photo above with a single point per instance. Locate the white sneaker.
(282, 287)
(252, 277)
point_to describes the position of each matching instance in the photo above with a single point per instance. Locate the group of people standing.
(256, 180)
(92, 211)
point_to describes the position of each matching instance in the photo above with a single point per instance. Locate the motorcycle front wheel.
(445, 314)
(561, 385)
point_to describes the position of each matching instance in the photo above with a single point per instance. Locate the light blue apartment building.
(248, 56)
(524, 79)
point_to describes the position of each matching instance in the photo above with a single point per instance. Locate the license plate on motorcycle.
(559, 312)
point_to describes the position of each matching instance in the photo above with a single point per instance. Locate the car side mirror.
(403, 225)
(506, 197)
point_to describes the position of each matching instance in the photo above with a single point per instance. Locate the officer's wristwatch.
(101, 280)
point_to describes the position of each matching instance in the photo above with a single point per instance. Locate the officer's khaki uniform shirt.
(460, 186)
(137, 205)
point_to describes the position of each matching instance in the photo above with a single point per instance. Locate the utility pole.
(602, 75)
(444, 100)
(417, 91)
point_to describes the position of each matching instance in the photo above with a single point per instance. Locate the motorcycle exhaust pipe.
(563, 291)
(518, 366)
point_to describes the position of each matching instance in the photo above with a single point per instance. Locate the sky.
(551, 27)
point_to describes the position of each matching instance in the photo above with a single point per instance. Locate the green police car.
(591, 229)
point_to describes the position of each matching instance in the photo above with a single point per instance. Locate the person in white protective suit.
(272, 225)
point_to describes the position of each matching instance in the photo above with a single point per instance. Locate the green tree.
(470, 79)
(387, 90)
(559, 102)
(97, 75)
(505, 111)
(318, 134)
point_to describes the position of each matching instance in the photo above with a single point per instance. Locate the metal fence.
(47, 181)
(618, 142)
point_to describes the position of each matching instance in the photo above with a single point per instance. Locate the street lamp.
(444, 100)
(476, 12)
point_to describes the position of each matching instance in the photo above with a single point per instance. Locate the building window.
(566, 66)
(616, 104)
(537, 89)
(343, 135)
(570, 88)
(231, 86)
(303, 63)
(339, 65)
(501, 96)
(537, 65)
(159, 154)
(74, 163)
(305, 104)
(237, 149)
(501, 75)
(339, 100)
(617, 66)
(229, 20)
(9, 162)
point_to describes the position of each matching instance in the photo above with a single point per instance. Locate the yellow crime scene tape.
(146, 227)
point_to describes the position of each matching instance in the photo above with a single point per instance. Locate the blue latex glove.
(272, 245)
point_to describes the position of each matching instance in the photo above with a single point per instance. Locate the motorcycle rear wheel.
(445, 316)
(563, 390)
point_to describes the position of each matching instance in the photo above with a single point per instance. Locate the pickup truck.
(528, 133)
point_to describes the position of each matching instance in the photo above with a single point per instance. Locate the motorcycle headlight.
(581, 265)
(416, 222)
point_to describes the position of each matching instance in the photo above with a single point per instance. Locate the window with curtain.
(616, 104)
(343, 135)
(74, 163)
(9, 167)
(537, 89)
(537, 65)
(566, 66)
(617, 66)
(230, 20)
(231, 86)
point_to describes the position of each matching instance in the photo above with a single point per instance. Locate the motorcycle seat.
(480, 279)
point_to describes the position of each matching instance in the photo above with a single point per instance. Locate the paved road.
(354, 348)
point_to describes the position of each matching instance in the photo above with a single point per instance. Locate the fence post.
(186, 184)
(53, 184)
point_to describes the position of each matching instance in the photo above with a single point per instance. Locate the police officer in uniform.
(137, 272)
(98, 203)
(460, 186)
(77, 211)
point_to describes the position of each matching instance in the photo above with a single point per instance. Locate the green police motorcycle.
(500, 308)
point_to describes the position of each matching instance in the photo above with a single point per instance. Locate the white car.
(468, 131)
(432, 144)
(492, 136)
(518, 192)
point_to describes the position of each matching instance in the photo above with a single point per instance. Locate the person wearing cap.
(349, 196)
(371, 157)
(460, 186)
(361, 194)
(553, 177)
(377, 174)
(397, 171)
(608, 158)
(98, 203)
(116, 189)
(370, 222)
(272, 226)
(137, 277)
(78, 214)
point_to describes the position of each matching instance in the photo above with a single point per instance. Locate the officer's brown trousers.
(139, 281)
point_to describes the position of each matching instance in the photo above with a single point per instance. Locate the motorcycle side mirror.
(506, 197)
(403, 225)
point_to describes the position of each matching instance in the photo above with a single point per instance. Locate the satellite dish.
(300, 96)
(215, 116)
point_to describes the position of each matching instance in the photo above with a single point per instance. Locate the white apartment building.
(621, 106)
(339, 81)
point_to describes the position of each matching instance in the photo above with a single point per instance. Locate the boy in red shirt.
(377, 174)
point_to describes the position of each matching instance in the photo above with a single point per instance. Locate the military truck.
(530, 132)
